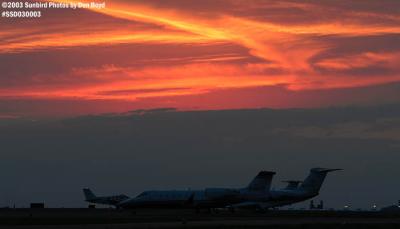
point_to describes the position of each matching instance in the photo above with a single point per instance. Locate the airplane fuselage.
(213, 198)
(186, 198)
(108, 200)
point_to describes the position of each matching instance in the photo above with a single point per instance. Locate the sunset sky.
(145, 94)
(195, 55)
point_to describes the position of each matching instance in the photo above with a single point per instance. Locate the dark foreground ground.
(116, 219)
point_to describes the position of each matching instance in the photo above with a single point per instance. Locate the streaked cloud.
(385, 129)
(148, 48)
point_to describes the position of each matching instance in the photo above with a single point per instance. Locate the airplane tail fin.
(89, 195)
(315, 179)
(262, 182)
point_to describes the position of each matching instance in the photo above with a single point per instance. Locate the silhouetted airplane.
(106, 200)
(256, 195)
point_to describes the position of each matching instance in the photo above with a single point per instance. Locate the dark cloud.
(111, 152)
(338, 46)
(390, 7)
(199, 8)
(360, 56)
(376, 71)
(288, 11)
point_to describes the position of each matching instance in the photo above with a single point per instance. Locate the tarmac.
(171, 218)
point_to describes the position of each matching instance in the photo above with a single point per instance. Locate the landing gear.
(261, 210)
(133, 211)
(207, 210)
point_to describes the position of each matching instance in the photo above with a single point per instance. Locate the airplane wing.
(251, 204)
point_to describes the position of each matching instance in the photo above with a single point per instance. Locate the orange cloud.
(155, 81)
(306, 55)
